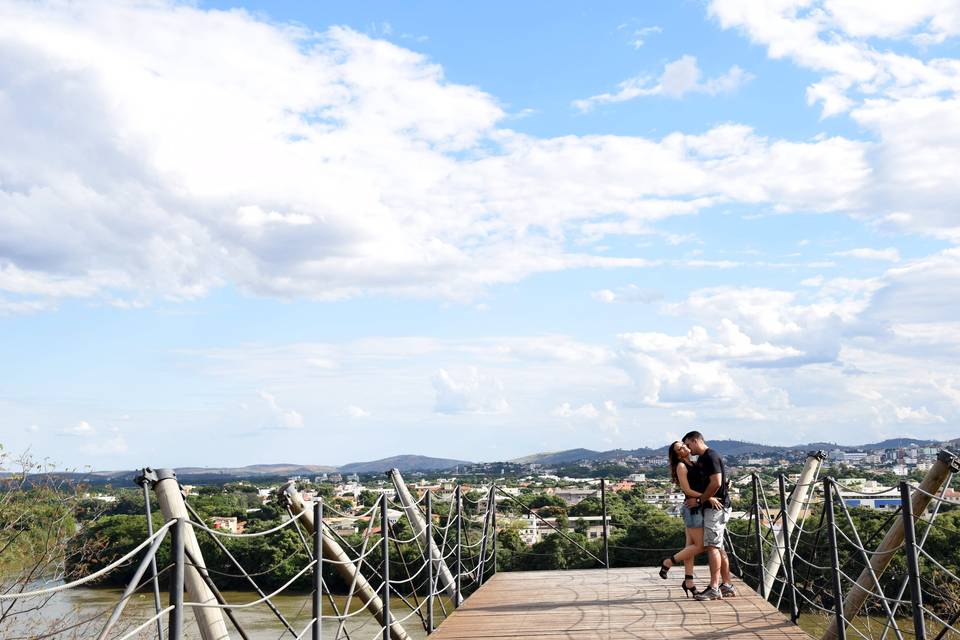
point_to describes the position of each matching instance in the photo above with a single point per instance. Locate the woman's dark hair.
(674, 458)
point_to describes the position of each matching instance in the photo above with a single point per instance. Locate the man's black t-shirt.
(711, 463)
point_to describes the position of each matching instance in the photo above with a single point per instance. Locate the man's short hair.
(693, 435)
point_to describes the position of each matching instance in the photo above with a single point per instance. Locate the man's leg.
(724, 566)
(713, 540)
(713, 557)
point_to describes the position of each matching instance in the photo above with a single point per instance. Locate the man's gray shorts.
(715, 526)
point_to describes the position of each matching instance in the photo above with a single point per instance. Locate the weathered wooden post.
(420, 530)
(334, 553)
(209, 619)
(798, 499)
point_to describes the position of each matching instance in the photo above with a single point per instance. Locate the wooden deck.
(615, 604)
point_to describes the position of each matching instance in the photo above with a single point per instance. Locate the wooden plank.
(612, 605)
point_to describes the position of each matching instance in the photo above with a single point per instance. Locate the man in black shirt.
(715, 502)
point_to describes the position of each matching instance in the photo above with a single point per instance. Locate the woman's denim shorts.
(692, 518)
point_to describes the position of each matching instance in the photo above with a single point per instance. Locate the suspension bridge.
(804, 556)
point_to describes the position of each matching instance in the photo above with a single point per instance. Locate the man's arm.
(712, 487)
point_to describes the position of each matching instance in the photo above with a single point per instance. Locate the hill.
(403, 463)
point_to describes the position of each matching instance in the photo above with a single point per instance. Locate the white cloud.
(323, 165)
(469, 392)
(921, 415)
(629, 293)
(684, 414)
(680, 77)
(638, 36)
(586, 411)
(606, 416)
(83, 429)
(112, 446)
(890, 254)
(280, 417)
(907, 100)
(357, 412)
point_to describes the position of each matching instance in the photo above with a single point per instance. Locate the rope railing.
(872, 605)
(395, 564)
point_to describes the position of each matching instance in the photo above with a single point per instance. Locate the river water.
(70, 607)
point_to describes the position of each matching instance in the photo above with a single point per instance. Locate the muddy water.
(259, 622)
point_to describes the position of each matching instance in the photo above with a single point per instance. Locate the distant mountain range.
(724, 447)
(187, 475)
(414, 463)
(403, 463)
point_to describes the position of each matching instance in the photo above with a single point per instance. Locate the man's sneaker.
(709, 593)
(727, 591)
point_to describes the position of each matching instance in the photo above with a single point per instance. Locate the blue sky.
(233, 234)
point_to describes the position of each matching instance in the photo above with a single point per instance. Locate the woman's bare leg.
(696, 540)
(693, 548)
(688, 562)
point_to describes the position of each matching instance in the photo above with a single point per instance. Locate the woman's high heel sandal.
(664, 568)
(688, 591)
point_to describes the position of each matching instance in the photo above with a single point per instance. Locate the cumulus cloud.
(207, 148)
(921, 415)
(907, 99)
(468, 391)
(280, 417)
(680, 77)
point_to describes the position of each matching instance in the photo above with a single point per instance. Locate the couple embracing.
(706, 511)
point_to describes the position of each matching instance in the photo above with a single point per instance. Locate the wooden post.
(210, 620)
(798, 499)
(946, 463)
(444, 577)
(785, 531)
(341, 562)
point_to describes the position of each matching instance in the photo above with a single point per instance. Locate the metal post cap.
(153, 476)
(950, 458)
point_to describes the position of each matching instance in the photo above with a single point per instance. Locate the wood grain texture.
(616, 604)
